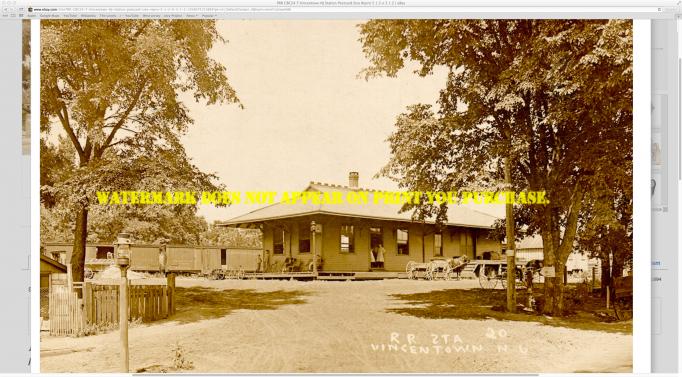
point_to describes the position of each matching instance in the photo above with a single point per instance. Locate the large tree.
(552, 97)
(112, 88)
(606, 234)
(165, 170)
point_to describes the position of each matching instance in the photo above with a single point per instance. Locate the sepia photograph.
(336, 196)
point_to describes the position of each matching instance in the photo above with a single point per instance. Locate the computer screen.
(313, 187)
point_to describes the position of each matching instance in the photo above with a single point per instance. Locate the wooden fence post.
(132, 301)
(164, 302)
(171, 293)
(69, 277)
(87, 298)
(101, 304)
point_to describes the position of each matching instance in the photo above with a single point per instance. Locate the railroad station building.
(347, 234)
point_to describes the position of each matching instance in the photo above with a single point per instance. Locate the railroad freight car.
(180, 258)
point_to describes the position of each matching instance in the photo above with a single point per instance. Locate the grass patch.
(199, 303)
(585, 312)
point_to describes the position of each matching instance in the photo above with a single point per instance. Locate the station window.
(278, 241)
(438, 244)
(403, 242)
(304, 238)
(347, 238)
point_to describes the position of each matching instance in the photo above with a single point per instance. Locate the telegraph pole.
(511, 239)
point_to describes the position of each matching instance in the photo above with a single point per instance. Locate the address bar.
(406, 8)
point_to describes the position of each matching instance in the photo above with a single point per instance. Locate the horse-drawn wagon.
(491, 273)
(436, 269)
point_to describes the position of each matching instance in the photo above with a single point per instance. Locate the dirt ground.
(289, 326)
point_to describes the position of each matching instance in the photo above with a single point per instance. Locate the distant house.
(49, 266)
(578, 266)
(349, 232)
(529, 248)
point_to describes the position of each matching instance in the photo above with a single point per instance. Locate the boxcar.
(144, 258)
(180, 258)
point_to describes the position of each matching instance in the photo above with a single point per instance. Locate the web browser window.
(308, 187)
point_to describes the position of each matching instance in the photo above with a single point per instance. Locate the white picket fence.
(67, 317)
(70, 315)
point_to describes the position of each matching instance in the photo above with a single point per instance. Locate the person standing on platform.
(380, 256)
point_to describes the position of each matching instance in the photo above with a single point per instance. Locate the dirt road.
(339, 327)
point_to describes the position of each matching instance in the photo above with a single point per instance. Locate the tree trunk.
(558, 307)
(561, 250)
(79, 241)
(616, 267)
(548, 261)
(605, 276)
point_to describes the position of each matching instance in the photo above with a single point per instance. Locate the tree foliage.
(221, 235)
(553, 95)
(111, 88)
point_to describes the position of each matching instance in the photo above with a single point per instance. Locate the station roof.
(457, 215)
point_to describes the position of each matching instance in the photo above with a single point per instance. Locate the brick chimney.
(353, 179)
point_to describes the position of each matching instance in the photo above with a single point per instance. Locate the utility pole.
(511, 240)
(608, 287)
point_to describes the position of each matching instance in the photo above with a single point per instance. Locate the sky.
(307, 116)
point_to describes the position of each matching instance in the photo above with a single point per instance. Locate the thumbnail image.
(26, 87)
(330, 196)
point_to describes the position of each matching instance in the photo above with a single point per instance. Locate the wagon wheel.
(448, 272)
(433, 272)
(487, 277)
(428, 272)
(217, 275)
(409, 269)
(441, 272)
(503, 278)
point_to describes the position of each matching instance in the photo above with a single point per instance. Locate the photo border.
(641, 334)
